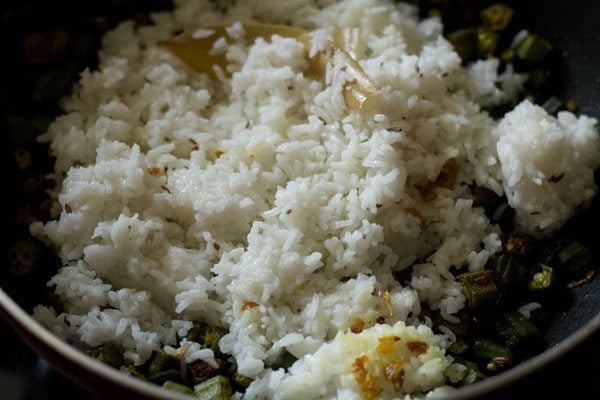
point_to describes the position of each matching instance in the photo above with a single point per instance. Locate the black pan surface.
(573, 27)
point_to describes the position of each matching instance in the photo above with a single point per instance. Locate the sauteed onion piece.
(197, 50)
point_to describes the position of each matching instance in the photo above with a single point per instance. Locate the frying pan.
(571, 26)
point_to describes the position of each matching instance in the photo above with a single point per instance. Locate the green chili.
(162, 361)
(217, 388)
(166, 375)
(574, 258)
(516, 329)
(211, 337)
(472, 372)
(480, 290)
(509, 273)
(497, 355)
(552, 105)
(177, 387)
(497, 17)
(458, 347)
(487, 43)
(108, 354)
(533, 48)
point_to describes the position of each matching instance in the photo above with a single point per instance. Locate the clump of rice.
(372, 362)
(183, 197)
(548, 165)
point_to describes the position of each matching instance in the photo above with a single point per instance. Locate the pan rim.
(528, 367)
(31, 330)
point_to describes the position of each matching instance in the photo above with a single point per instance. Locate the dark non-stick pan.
(572, 26)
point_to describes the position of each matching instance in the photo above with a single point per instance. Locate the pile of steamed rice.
(183, 198)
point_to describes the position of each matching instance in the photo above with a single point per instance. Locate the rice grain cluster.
(183, 197)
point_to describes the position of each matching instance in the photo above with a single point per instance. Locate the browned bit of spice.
(517, 244)
(588, 277)
(249, 305)
(323, 120)
(426, 192)
(448, 174)
(166, 189)
(380, 320)
(415, 213)
(288, 211)
(219, 153)
(446, 178)
(417, 347)
(216, 246)
(367, 382)
(154, 171)
(395, 129)
(357, 326)
(248, 124)
(556, 178)
(498, 364)
(394, 372)
(386, 344)
(68, 208)
(195, 146)
(571, 105)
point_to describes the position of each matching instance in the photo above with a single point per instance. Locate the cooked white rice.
(183, 198)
